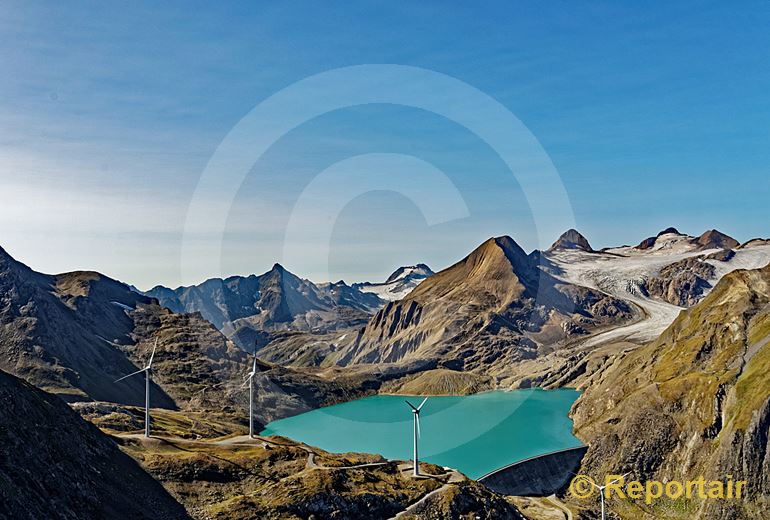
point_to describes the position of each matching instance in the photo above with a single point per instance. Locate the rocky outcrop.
(714, 239)
(725, 255)
(571, 239)
(682, 283)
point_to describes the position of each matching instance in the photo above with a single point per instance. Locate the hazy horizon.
(653, 116)
(376, 279)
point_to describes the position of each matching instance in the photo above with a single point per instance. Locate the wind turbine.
(146, 371)
(250, 378)
(601, 490)
(416, 417)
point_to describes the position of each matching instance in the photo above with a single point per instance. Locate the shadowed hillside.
(53, 464)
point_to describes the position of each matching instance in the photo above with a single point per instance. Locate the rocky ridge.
(248, 309)
(493, 307)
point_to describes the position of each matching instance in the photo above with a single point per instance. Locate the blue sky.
(653, 116)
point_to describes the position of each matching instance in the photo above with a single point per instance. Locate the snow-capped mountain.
(663, 274)
(670, 240)
(398, 284)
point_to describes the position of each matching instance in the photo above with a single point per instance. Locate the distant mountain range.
(671, 238)
(74, 334)
(255, 310)
(249, 308)
(500, 306)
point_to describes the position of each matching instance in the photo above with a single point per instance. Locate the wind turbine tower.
(250, 379)
(416, 426)
(147, 369)
(601, 491)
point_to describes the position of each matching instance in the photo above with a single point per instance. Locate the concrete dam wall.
(539, 476)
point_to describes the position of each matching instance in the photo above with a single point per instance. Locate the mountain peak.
(5, 257)
(408, 272)
(493, 247)
(669, 231)
(714, 239)
(400, 283)
(278, 273)
(499, 265)
(498, 253)
(649, 243)
(572, 239)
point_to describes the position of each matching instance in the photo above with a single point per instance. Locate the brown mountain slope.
(495, 306)
(55, 331)
(713, 239)
(694, 402)
(53, 464)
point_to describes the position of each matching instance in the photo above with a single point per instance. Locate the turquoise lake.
(475, 434)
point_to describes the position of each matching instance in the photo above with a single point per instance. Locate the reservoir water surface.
(475, 434)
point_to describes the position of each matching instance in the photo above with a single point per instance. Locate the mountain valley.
(666, 339)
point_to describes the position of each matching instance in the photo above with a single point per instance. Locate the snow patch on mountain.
(751, 258)
(623, 271)
(400, 283)
(667, 243)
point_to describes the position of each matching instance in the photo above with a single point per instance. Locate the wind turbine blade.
(149, 365)
(410, 405)
(131, 374)
(422, 404)
(417, 417)
(254, 368)
(618, 479)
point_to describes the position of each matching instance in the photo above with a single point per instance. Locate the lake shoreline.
(382, 424)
